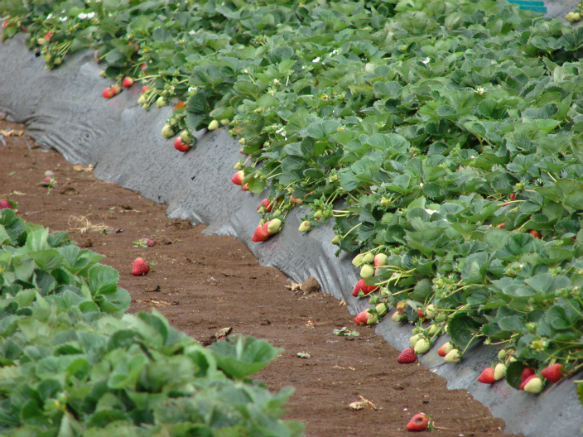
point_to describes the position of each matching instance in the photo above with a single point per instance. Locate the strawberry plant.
(443, 139)
(71, 361)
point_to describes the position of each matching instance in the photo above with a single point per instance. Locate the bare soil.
(205, 283)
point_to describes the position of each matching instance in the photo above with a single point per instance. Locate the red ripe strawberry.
(108, 93)
(407, 356)
(361, 318)
(361, 286)
(245, 187)
(143, 67)
(420, 312)
(140, 267)
(501, 225)
(487, 376)
(238, 178)
(260, 233)
(513, 196)
(296, 201)
(534, 233)
(5, 204)
(48, 35)
(179, 145)
(265, 203)
(419, 422)
(526, 373)
(147, 242)
(5, 24)
(526, 381)
(179, 105)
(145, 89)
(127, 82)
(444, 349)
(553, 373)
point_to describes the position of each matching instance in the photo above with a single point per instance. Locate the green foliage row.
(72, 364)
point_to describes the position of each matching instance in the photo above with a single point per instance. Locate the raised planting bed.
(442, 138)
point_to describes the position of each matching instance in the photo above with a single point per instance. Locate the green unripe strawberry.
(414, 339)
(336, 240)
(167, 131)
(161, 102)
(535, 385)
(368, 258)
(213, 125)
(372, 319)
(142, 100)
(242, 141)
(47, 57)
(277, 212)
(398, 317)
(225, 121)
(499, 371)
(430, 311)
(238, 166)
(318, 215)
(366, 271)
(305, 226)
(274, 226)
(385, 202)
(434, 329)
(381, 308)
(58, 60)
(502, 354)
(186, 137)
(261, 210)
(102, 73)
(422, 346)
(453, 356)
(373, 299)
(357, 261)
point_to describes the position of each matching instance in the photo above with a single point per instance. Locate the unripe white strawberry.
(430, 311)
(380, 259)
(366, 271)
(535, 385)
(453, 356)
(357, 261)
(499, 371)
(502, 354)
(368, 258)
(186, 137)
(142, 100)
(422, 346)
(274, 226)
(398, 317)
(414, 339)
(167, 131)
(161, 102)
(213, 125)
(225, 121)
(381, 308)
(434, 329)
(305, 226)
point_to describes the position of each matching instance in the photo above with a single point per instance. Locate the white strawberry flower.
(316, 60)
(479, 90)
(91, 15)
(49, 16)
(82, 16)
(426, 60)
(63, 19)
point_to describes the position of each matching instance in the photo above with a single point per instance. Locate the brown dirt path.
(204, 283)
